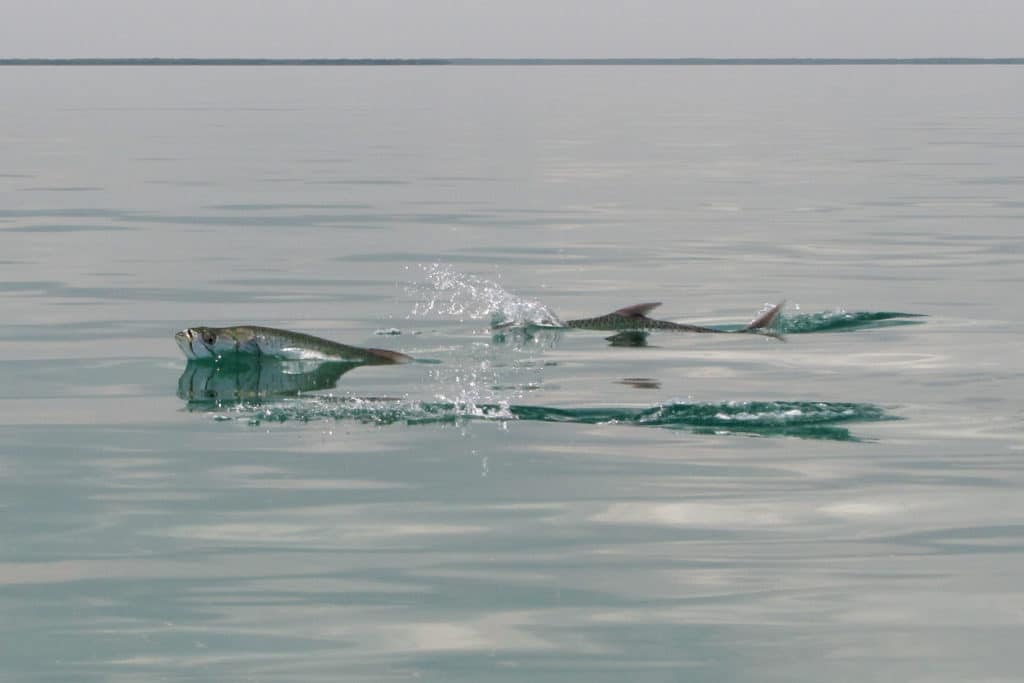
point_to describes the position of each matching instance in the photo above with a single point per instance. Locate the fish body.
(634, 319)
(213, 343)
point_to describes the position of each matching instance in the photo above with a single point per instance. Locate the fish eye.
(209, 338)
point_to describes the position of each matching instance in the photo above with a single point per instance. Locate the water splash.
(493, 371)
(481, 375)
(455, 294)
(803, 419)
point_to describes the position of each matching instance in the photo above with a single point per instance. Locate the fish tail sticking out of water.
(634, 318)
(212, 343)
(764, 322)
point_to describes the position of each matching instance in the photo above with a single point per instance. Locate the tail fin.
(764, 321)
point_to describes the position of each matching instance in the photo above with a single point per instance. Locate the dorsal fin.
(637, 310)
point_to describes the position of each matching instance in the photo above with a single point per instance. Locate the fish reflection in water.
(640, 382)
(628, 338)
(254, 379)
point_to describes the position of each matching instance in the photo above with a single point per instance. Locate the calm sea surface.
(524, 504)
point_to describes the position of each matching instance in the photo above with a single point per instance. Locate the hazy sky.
(511, 28)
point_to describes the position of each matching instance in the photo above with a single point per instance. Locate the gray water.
(531, 503)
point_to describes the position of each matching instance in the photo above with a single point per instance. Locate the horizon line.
(488, 61)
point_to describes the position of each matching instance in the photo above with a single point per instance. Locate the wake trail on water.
(840, 320)
(803, 419)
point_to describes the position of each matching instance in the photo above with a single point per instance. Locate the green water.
(523, 503)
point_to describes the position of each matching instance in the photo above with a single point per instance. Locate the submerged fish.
(213, 342)
(634, 319)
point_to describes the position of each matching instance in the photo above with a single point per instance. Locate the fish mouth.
(184, 342)
(192, 345)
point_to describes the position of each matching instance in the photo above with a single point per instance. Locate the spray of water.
(453, 294)
(492, 370)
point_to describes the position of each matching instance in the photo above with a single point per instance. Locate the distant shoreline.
(637, 61)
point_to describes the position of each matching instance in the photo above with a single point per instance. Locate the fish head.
(202, 342)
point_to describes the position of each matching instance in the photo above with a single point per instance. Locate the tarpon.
(214, 342)
(634, 319)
